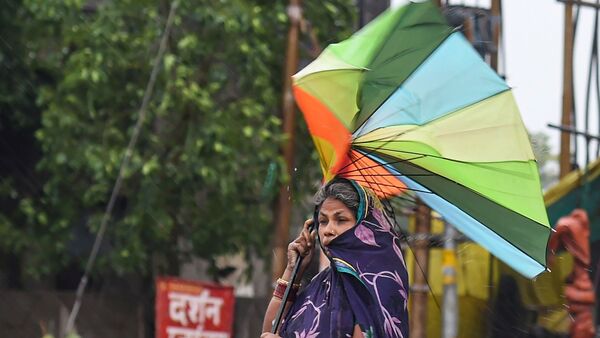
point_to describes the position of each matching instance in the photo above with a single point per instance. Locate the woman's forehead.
(333, 206)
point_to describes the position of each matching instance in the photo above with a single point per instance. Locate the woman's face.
(335, 218)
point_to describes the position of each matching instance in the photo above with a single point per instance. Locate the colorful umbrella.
(407, 104)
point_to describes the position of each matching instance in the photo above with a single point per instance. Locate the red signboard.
(187, 309)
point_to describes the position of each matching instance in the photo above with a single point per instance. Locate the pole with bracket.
(450, 304)
(567, 104)
(419, 288)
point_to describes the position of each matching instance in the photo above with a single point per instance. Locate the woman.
(363, 291)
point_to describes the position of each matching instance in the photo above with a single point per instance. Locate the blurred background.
(219, 169)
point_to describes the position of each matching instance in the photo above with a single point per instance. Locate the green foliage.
(547, 162)
(212, 132)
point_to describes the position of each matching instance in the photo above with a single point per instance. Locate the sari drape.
(366, 283)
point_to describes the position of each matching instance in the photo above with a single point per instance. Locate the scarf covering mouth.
(366, 283)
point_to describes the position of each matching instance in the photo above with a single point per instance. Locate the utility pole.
(567, 104)
(370, 9)
(496, 12)
(284, 202)
(419, 289)
(450, 305)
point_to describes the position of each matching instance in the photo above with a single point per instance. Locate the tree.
(547, 162)
(212, 133)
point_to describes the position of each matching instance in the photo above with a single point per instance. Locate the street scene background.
(146, 140)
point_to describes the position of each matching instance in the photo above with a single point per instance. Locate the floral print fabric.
(366, 285)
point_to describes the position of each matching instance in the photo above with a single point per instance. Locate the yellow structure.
(477, 277)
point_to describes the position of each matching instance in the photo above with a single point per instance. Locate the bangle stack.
(280, 290)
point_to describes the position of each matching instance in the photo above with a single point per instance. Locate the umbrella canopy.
(407, 104)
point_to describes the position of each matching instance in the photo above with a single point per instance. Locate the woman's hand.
(303, 246)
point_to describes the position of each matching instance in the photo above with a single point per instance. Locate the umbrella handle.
(288, 288)
(286, 295)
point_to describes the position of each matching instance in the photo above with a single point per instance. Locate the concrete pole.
(496, 34)
(567, 104)
(419, 289)
(450, 304)
(284, 202)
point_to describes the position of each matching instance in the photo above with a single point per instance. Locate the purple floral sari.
(365, 284)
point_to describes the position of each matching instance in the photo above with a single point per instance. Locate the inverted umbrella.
(407, 104)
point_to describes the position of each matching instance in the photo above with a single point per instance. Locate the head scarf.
(366, 283)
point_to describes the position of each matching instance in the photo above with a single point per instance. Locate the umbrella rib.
(379, 165)
(365, 180)
(436, 157)
(390, 175)
(392, 186)
(412, 200)
(369, 153)
(400, 133)
(414, 153)
(404, 235)
(364, 155)
(374, 182)
(451, 30)
(384, 138)
(491, 229)
(415, 127)
(471, 190)
(380, 185)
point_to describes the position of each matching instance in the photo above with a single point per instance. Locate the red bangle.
(284, 282)
(280, 290)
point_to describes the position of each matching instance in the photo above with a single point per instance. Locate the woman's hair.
(340, 189)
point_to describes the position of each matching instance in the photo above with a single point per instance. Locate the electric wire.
(124, 163)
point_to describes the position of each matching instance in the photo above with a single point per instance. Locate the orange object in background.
(573, 233)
